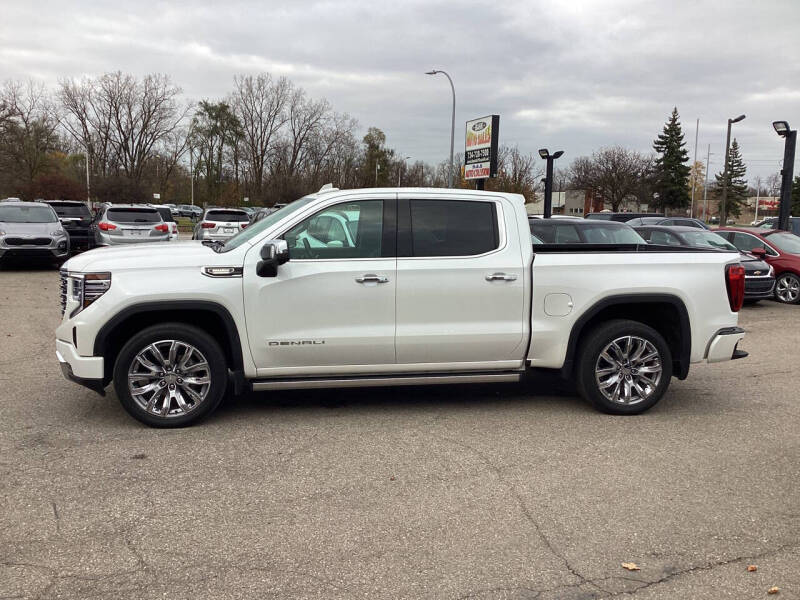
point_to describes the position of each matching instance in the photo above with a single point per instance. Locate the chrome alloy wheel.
(169, 378)
(628, 370)
(787, 289)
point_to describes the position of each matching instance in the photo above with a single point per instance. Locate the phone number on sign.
(480, 155)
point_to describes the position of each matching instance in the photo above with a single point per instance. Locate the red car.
(780, 249)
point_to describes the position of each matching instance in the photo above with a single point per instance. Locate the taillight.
(164, 228)
(243, 225)
(103, 226)
(207, 225)
(734, 281)
(174, 229)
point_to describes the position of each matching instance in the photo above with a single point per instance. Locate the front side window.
(746, 243)
(453, 228)
(347, 230)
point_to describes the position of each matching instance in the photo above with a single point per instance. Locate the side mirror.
(758, 252)
(273, 254)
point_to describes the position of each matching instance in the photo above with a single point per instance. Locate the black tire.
(786, 288)
(589, 353)
(216, 373)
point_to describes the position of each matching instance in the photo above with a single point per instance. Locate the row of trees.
(269, 141)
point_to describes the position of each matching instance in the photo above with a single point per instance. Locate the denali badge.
(297, 343)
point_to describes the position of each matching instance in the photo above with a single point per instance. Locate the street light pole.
(790, 135)
(548, 182)
(694, 166)
(705, 185)
(401, 169)
(453, 121)
(723, 212)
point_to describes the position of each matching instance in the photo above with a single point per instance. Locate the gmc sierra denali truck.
(391, 287)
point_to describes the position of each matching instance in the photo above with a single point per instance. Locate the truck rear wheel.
(624, 367)
(170, 375)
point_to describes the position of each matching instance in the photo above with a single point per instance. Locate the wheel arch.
(211, 317)
(666, 313)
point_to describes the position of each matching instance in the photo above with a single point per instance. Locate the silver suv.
(129, 224)
(31, 230)
(221, 224)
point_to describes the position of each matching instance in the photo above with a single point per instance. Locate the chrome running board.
(372, 381)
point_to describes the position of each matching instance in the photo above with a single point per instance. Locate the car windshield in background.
(166, 214)
(585, 232)
(227, 215)
(707, 239)
(35, 213)
(133, 215)
(256, 228)
(786, 242)
(70, 210)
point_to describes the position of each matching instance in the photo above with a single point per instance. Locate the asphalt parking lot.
(451, 492)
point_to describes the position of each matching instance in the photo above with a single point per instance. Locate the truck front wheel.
(170, 375)
(624, 367)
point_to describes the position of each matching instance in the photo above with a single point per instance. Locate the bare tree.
(260, 104)
(305, 118)
(614, 173)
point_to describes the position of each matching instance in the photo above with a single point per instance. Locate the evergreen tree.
(671, 170)
(737, 184)
(796, 196)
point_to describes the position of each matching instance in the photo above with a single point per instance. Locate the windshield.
(787, 242)
(133, 215)
(707, 239)
(256, 228)
(70, 210)
(35, 213)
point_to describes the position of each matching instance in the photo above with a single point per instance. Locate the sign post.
(480, 152)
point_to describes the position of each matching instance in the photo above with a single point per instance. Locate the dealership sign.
(480, 156)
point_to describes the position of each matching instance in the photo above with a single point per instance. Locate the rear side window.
(133, 215)
(230, 216)
(453, 228)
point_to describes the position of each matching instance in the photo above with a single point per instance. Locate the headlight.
(58, 233)
(85, 288)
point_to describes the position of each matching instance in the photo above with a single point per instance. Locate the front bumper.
(723, 346)
(84, 370)
(34, 252)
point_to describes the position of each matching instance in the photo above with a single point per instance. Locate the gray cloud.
(575, 75)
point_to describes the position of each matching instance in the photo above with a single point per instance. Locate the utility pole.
(705, 185)
(694, 165)
(88, 186)
(377, 168)
(758, 195)
(191, 171)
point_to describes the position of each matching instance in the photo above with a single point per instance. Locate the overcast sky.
(570, 74)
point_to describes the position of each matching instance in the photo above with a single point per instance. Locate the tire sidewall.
(786, 276)
(589, 352)
(184, 333)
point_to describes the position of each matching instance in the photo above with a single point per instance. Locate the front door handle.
(501, 277)
(372, 278)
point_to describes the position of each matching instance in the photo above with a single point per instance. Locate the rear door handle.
(501, 277)
(372, 278)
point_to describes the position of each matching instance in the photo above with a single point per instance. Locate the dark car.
(772, 223)
(581, 231)
(759, 277)
(780, 249)
(76, 219)
(620, 217)
(668, 222)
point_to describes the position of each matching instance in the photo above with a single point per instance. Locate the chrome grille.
(63, 287)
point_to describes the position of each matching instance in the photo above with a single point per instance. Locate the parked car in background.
(581, 231)
(248, 209)
(261, 213)
(31, 230)
(780, 249)
(772, 223)
(189, 210)
(220, 224)
(168, 218)
(117, 224)
(759, 277)
(76, 218)
(621, 217)
(668, 222)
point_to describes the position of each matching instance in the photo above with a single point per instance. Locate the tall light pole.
(723, 209)
(401, 169)
(88, 186)
(694, 166)
(548, 182)
(782, 129)
(758, 195)
(705, 185)
(453, 122)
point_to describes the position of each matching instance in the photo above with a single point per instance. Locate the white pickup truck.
(396, 286)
